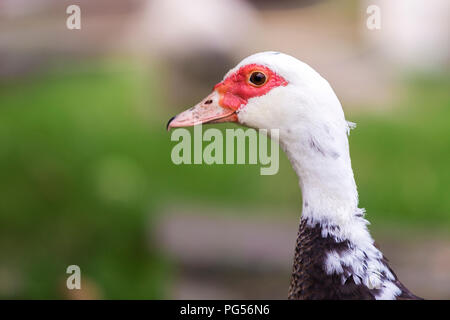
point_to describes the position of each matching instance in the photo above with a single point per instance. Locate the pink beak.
(208, 110)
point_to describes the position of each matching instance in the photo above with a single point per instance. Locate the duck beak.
(208, 110)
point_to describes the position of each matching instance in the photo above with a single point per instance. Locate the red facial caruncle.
(237, 88)
(229, 96)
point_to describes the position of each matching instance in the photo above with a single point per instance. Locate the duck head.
(268, 90)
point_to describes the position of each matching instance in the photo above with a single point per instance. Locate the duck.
(335, 256)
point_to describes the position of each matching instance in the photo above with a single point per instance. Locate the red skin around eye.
(235, 89)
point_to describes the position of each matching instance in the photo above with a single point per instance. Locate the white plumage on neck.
(320, 157)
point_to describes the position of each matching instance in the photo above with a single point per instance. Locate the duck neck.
(334, 256)
(322, 163)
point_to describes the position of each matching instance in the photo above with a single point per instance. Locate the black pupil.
(258, 78)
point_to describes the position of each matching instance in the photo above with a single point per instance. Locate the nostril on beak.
(209, 101)
(168, 123)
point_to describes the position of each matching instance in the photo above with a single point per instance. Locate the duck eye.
(257, 79)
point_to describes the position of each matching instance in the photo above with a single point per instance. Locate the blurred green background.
(86, 174)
